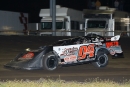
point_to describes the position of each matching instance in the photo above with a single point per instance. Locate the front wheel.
(101, 60)
(50, 62)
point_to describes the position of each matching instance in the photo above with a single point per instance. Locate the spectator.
(98, 4)
(116, 4)
(121, 5)
(93, 4)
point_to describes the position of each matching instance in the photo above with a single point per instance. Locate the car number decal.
(86, 50)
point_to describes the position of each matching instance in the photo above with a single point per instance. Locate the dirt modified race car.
(77, 50)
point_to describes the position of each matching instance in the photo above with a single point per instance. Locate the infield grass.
(62, 83)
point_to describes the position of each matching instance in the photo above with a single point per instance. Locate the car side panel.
(76, 53)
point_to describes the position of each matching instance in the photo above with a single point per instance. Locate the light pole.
(53, 16)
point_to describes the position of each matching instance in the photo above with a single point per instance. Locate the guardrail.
(30, 32)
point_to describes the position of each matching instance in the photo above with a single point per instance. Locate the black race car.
(85, 49)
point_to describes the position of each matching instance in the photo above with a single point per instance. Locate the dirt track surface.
(117, 69)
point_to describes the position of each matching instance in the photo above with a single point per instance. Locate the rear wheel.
(102, 60)
(50, 62)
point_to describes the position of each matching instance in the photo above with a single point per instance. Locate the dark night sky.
(33, 6)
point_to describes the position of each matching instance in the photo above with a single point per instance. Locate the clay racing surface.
(117, 69)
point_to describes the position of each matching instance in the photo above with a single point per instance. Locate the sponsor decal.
(28, 55)
(70, 58)
(109, 44)
(85, 51)
(69, 54)
(69, 51)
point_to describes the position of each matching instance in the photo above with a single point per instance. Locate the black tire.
(50, 62)
(101, 60)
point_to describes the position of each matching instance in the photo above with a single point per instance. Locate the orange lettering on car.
(86, 50)
(28, 55)
(82, 52)
(109, 44)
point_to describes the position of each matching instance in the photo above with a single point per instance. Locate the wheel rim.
(51, 62)
(102, 60)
